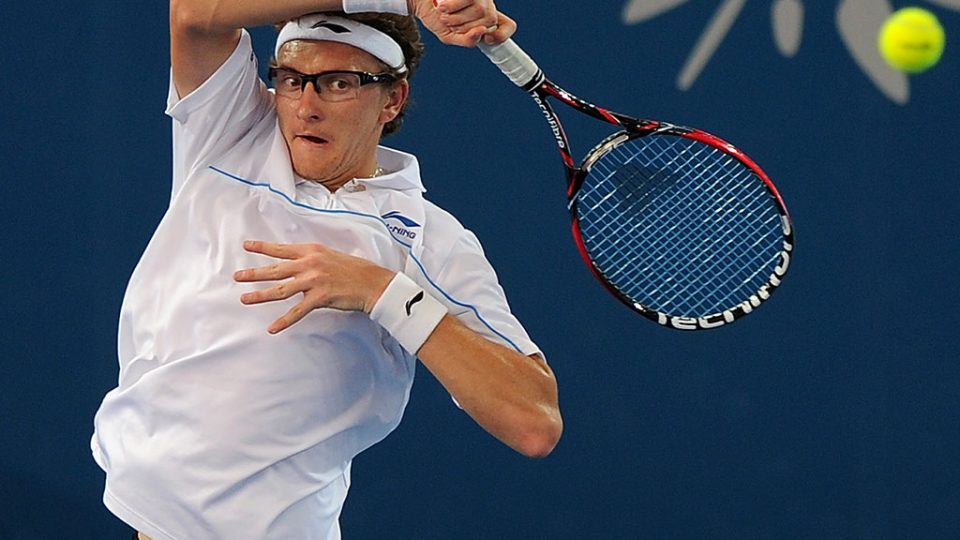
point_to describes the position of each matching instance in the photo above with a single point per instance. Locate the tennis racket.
(679, 225)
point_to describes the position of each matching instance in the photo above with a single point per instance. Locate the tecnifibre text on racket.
(678, 224)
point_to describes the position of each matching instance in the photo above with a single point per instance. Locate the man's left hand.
(327, 279)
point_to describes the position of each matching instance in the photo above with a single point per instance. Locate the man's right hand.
(464, 22)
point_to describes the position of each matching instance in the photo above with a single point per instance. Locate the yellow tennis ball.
(911, 40)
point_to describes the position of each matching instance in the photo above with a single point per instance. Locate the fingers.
(276, 271)
(480, 14)
(492, 35)
(461, 40)
(271, 272)
(281, 291)
(470, 36)
(505, 28)
(475, 34)
(292, 316)
(466, 22)
(454, 6)
(325, 277)
(280, 251)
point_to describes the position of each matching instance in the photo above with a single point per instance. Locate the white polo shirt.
(218, 429)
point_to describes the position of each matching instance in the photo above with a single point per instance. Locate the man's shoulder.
(441, 223)
(444, 235)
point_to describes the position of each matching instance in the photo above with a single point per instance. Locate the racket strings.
(687, 224)
(681, 264)
(707, 253)
(648, 189)
(678, 225)
(672, 290)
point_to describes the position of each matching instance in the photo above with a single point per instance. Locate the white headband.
(322, 27)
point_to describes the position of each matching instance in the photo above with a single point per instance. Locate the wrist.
(408, 312)
(400, 7)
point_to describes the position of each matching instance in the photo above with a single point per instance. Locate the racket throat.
(554, 122)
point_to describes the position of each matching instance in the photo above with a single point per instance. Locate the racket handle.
(514, 63)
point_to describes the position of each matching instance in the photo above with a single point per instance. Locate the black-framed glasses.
(331, 86)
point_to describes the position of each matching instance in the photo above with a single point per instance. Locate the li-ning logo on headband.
(335, 28)
(343, 30)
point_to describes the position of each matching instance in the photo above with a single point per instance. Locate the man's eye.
(290, 82)
(340, 84)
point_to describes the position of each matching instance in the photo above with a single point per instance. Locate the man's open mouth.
(313, 139)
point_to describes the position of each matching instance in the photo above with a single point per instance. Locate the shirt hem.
(133, 518)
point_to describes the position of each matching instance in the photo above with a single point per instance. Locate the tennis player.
(271, 328)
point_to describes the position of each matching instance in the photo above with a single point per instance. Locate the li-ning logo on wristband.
(414, 300)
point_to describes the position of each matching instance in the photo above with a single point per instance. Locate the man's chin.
(320, 179)
(313, 173)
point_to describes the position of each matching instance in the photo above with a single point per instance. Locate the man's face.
(333, 143)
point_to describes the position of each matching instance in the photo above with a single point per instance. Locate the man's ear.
(396, 97)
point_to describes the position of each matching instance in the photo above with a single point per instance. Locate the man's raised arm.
(203, 33)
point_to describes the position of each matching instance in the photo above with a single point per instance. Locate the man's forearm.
(215, 16)
(203, 33)
(514, 397)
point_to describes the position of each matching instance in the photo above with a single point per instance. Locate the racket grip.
(514, 63)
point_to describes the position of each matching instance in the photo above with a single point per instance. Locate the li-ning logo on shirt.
(335, 28)
(402, 230)
(414, 300)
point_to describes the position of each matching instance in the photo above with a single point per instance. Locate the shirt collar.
(403, 175)
(404, 171)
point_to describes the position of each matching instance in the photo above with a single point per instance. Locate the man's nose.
(310, 106)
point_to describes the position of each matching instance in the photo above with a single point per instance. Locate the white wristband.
(380, 6)
(408, 312)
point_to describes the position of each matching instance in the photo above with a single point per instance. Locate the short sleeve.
(220, 112)
(475, 297)
(381, 6)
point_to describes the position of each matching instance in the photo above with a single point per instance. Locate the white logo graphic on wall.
(858, 22)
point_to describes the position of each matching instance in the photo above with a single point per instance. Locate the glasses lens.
(339, 86)
(287, 83)
(331, 86)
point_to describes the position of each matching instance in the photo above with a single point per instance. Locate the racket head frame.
(576, 177)
(530, 78)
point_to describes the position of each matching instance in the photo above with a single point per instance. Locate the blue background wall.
(832, 412)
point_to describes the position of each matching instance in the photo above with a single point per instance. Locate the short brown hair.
(401, 28)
